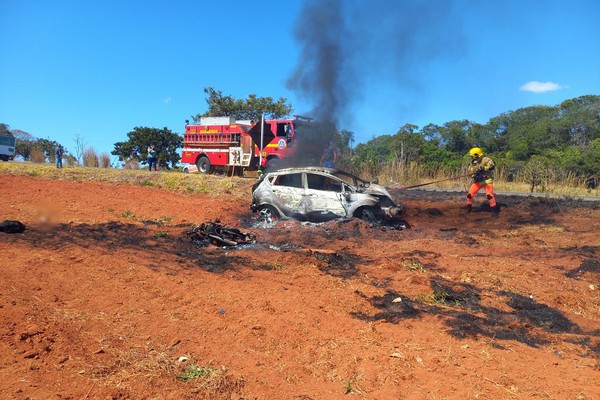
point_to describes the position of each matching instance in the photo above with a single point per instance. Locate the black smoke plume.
(348, 45)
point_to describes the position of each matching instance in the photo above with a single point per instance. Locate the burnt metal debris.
(9, 226)
(219, 235)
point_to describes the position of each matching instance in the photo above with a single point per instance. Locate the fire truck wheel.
(203, 165)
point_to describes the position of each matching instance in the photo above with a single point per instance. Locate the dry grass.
(236, 186)
(408, 175)
(173, 181)
(204, 382)
(90, 158)
(413, 265)
(104, 160)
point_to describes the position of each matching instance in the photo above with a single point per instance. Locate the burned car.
(320, 194)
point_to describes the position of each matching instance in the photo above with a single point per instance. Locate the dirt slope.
(105, 297)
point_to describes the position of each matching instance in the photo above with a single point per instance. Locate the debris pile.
(8, 226)
(219, 235)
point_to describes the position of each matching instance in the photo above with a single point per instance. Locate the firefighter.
(481, 168)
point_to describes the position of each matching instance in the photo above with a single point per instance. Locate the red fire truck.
(217, 143)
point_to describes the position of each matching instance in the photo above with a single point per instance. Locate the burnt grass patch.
(105, 238)
(338, 264)
(460, 308)
(588, 251)
(423, 259)
(589, 265)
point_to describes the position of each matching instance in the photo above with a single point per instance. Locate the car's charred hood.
(375, 190)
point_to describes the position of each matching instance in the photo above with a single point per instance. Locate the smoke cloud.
(346, 46)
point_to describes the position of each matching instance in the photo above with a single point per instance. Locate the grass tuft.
(193, 372)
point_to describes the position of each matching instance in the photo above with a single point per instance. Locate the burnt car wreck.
(319, 194)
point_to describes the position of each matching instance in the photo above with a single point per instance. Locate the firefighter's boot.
(496, 211)
(468, 209)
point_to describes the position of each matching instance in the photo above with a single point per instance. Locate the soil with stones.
(105, 296)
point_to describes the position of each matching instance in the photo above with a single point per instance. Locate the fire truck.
(219, 143)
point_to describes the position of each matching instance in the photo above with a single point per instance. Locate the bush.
(131, 163)
(38, 156)
(105, 160)
(70, 160)
(537, 172)
(90, 158)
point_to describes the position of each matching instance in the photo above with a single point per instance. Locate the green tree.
(25, 144)
(373, 154)
(455, 136)
(346, 139)
(250, 109)
(591, 158)
(48, 147)
(4, 130)
(166, 143)
(537, 172)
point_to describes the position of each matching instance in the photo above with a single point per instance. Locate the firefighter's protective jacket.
(485, 166)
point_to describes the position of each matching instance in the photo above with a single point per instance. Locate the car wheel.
(268, 213)
(203, 165)
(372, 215)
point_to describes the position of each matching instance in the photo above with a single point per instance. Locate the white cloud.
(167, 100)
(540, 87)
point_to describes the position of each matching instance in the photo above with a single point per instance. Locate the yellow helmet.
(475, 152)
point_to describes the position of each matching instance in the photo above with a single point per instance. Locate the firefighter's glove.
(478, 176)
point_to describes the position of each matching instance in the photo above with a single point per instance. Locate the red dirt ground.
(104, 296)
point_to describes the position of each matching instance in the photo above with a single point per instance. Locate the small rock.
(175, 343)
(397, 300)
(182, 359)
(396, 355)
(63, 360)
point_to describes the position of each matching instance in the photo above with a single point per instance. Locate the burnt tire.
(372, 215)
(203, 165)
(268, 213)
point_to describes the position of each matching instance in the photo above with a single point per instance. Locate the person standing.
(58, 152)
(329, 156)
(151, 157)
(481, 168)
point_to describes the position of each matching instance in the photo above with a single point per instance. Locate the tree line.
(562, 139)
(40, 150)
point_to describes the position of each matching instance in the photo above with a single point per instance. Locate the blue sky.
(100, 68)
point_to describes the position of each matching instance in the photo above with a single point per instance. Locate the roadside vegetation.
(536, 149)
(543, 149)
(219, 185)
(175, 181)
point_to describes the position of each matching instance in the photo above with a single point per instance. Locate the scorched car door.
(324, 199)
(288, 191)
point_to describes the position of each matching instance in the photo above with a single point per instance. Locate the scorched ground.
(104, 296)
